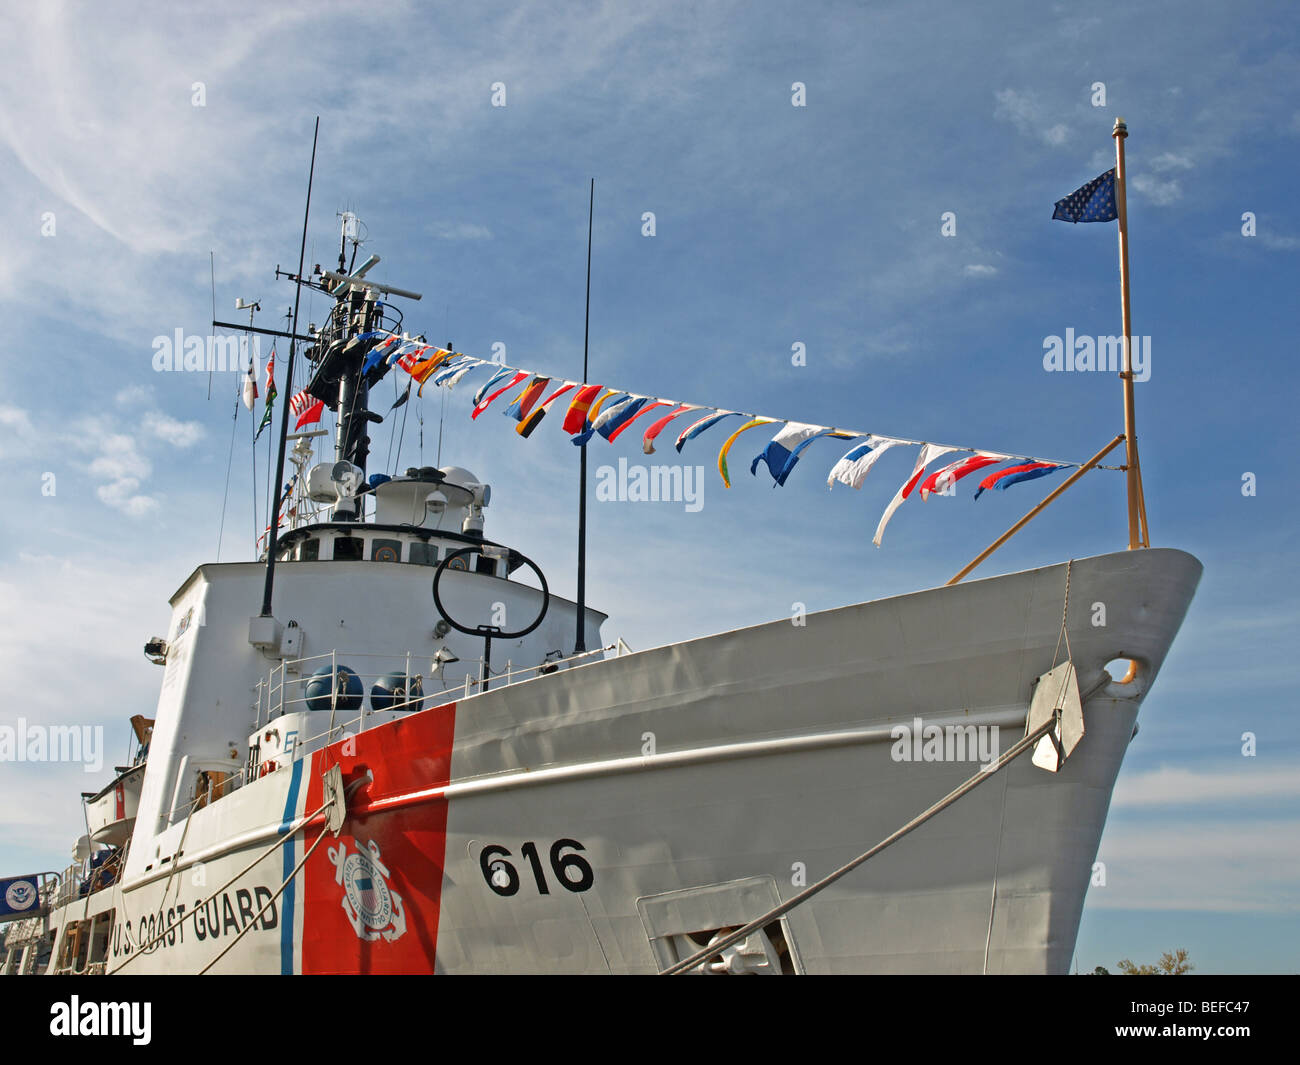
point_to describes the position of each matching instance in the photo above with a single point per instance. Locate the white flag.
(250, 384)
(929, 452)
(853, 468)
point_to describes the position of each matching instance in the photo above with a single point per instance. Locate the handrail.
(275, 698)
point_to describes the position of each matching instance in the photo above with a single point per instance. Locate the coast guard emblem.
(20, 895)
(374, 909)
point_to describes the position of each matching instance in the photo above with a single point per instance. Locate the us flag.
(1095, 202)
(306, 407)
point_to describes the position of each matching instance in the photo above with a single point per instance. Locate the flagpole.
(273, 537)
(1137, 536)
(580, 643)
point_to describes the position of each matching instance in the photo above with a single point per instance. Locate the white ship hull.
(773, 763)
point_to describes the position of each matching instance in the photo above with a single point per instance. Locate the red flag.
(942, 480)
(648, 441)
(487, 400)
(528, 424)
(644, 410)
(307, 407)
(577, 412)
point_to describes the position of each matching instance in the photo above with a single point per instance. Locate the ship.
(417, 758)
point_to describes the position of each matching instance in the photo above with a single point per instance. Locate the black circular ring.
(487, 630)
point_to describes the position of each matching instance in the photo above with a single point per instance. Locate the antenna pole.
(580, 644)
(1137, 524)
(273, 537)
(212, 269)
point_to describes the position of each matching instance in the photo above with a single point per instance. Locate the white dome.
(458, 475)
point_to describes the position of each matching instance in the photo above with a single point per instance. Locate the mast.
(1137, 511)
(580, 644)
(273, 537)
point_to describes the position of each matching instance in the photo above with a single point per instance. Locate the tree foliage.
(1173, 963)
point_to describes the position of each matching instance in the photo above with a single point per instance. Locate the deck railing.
(283, 691)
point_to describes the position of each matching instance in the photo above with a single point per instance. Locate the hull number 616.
(571, 871)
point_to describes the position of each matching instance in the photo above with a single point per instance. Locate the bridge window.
(348, 548)
(308, 550)
(386, 550)
(424, 554)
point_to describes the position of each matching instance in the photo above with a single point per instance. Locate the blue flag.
(1095, 202)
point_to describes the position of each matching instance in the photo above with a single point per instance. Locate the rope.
(401, 438)
(180, 849)
(287, 881)
(266, 853)
(1064, 635)
(253, 452)
(392, 426)
(1065, 610)
(803, 896)
(850, 433)
(230, 459)
(251, 924)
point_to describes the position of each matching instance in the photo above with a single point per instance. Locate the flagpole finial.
(1121, 128)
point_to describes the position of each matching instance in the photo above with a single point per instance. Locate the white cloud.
(1173, 786)
(119, 458)
(120, 463)
(1277, 242)
(1023, 110)
(1160, 192)
(1225, 856)
(459, 231)
(15, 419)
(134, 395)
(173, 431)
(16, 431)
(979, 270)
(109, 624)
(1170, 161)
(122, 495)
(1225, 866)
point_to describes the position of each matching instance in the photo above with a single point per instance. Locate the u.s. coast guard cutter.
(354, 782)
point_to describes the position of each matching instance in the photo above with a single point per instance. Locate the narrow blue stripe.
(286, 905)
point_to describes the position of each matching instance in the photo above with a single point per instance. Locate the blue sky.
(775, 225)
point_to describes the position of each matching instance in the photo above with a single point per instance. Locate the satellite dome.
(458, 475)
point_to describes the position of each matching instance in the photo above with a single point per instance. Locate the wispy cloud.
(1174, 786)
(1161, 191)
(457, 231)
(1226, 865)
(16, 430)
(172, 430)
(1023, 109)
(121, 465)
(1278, 241)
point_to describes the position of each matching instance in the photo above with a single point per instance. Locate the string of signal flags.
(605, 411)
